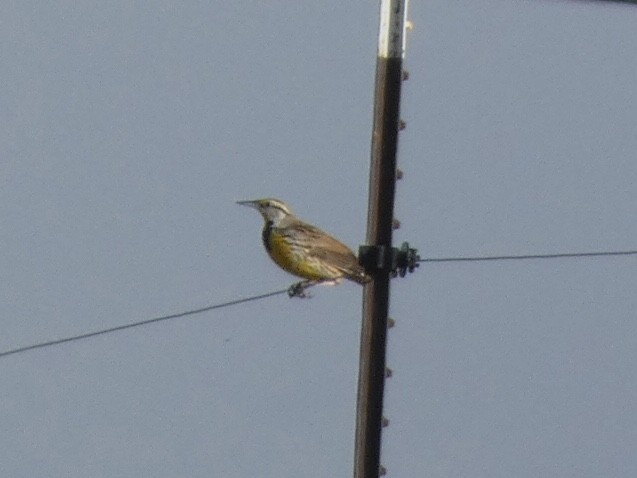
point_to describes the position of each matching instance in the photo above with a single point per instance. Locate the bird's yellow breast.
(293, 258)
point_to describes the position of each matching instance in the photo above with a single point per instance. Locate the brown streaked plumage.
(304, 250)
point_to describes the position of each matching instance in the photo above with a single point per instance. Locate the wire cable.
(141, 322)
(528, 256)
(284, 291)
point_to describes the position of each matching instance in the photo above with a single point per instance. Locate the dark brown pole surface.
(376, 293)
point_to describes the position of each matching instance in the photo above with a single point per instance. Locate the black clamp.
(396, 261)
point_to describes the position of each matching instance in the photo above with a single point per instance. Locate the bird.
(304, 250)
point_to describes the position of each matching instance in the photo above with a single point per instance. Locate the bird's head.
(272, 210)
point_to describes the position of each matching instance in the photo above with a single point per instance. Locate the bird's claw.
(298, 290)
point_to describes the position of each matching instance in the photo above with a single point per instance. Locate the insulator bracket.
(397, 261)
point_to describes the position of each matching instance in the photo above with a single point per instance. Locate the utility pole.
(380, 259)
(378, 256)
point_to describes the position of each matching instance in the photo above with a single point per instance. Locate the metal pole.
(382, 179)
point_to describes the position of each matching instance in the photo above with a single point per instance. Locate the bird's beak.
(253, 204)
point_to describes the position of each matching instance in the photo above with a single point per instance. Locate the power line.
(631, 2)
(141, 322)
(529, 256)
(284, 291)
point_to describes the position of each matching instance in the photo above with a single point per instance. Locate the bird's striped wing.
(329, 250)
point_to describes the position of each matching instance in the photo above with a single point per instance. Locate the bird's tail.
(359, 275)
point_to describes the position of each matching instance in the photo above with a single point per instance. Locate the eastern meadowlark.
(305, 250)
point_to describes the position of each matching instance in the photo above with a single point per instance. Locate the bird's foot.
(298, 289)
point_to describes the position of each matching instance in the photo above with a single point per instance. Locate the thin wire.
(631, 2)
(141, 322)
(283, 291)
(528, 256)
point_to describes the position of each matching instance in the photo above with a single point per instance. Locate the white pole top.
(393, 20)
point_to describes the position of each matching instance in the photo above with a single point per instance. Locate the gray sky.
(129, 128)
